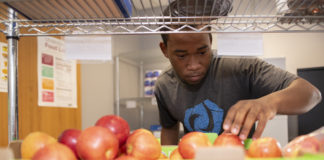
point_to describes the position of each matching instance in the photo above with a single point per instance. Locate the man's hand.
(241, 117)
(299, 97)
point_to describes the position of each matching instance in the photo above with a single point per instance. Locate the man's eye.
(181, 56)
(202, 53)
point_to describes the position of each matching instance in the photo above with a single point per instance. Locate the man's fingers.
(229, 118)
(248, 123)
(239, 119)
(260, 127)
(242, 116)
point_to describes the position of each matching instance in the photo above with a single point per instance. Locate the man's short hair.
(184, 8)
(165, 38)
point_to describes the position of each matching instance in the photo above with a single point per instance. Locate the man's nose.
(193, 64)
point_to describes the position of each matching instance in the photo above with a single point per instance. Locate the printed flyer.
(3, 67)
(57, 83)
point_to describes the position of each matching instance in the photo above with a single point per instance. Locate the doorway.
(313, 119)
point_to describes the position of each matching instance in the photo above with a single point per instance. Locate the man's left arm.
(299, 97)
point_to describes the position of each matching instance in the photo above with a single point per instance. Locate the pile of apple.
(259, 148)
(108, 139)
(266, 147)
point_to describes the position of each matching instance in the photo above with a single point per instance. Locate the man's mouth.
(194, 78)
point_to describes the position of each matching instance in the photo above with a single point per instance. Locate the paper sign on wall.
(3, 67)
(240, 44)
(88, 47)
(57, 84)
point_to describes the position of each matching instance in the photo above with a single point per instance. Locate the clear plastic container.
(312, 143)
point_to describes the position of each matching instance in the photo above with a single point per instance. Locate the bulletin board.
(52, 120)
(3, 67)
(3, 109)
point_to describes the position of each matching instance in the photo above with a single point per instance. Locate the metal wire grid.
(147, 17)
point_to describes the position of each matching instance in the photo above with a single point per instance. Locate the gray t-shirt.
(228, 80)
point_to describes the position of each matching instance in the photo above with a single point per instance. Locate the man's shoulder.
(227, 65)
(236, 62)
(165, 77)
(236, 59)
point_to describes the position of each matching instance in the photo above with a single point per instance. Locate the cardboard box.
(6, 154)
(15, 146)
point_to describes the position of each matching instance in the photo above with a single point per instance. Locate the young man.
(214, 94)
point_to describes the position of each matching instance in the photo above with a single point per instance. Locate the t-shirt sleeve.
(166, 119)
(266, 78)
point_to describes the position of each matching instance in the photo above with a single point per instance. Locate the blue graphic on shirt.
(204, 117)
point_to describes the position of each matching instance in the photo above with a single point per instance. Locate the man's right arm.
(170, 136)
(170, 125)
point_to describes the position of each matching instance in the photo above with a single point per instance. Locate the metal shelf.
(96, 17)
(109, 17)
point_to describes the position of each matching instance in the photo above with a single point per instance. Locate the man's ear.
(164, 49)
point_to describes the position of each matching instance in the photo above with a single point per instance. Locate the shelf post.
(117, 87)
(141, 80)
(12, 37)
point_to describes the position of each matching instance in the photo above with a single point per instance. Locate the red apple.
(142, 144)
(319, 135)
(126, 157)
(69, 138)
(300, 145)
(265, 148)
(122, 150)
(97, 143)
(116, 125)
(141, 130)
(228, 139)
(175, 155)
(190, 142)
(54, 151)
(33, 142)
(321, 140)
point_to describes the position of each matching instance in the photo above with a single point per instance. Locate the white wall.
(129, 80)
(96, 92)
(301, 50)
(97, 82)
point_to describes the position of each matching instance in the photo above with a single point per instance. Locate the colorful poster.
(3, 67)
(57, 84)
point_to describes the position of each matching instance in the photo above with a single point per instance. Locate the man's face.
(189, 54)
